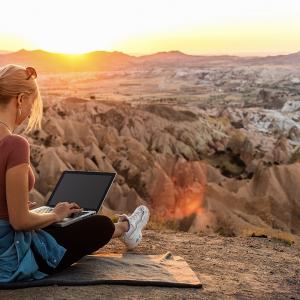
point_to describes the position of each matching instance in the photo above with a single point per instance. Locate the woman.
(29, 247)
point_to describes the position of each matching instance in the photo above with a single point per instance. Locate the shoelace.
(136, 216)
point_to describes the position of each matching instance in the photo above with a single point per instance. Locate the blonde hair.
(13, 82)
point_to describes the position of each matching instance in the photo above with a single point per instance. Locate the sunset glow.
(143, 27)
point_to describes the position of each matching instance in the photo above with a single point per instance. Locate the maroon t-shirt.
(14, 150)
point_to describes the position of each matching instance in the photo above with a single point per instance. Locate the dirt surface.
(228, 267)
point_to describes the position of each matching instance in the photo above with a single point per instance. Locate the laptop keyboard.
(49, 209)
(77, 214)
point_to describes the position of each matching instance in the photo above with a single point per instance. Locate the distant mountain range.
(4, 51)
(106, 61)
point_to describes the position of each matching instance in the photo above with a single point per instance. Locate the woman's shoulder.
(15, 138)
(15, 143)
(17, 150)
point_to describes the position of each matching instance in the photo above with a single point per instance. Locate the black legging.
(80, 238)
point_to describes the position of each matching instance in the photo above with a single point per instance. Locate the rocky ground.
(228, 267)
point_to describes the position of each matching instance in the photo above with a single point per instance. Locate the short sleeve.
(19, 153)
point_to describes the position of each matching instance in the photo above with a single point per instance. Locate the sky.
(140, 27)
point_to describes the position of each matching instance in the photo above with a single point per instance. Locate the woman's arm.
(17, 196)
(38, 221)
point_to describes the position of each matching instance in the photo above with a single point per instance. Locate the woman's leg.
(120, 228)
(80, 238)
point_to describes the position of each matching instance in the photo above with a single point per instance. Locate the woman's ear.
(20, 98)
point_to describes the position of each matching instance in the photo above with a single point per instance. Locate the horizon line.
(240, 54)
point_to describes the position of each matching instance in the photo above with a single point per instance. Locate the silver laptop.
(87, 188)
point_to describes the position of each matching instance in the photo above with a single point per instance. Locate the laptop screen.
(88, 189)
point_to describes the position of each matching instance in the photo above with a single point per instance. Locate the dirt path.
(228, 267)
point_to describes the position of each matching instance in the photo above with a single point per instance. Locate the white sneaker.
(137, 221)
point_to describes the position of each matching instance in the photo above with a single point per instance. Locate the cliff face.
(190, 166)
(268, 201)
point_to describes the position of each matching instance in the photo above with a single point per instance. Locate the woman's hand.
(65, 209)
(31, 204)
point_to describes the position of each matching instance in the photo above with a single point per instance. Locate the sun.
(75, 45)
